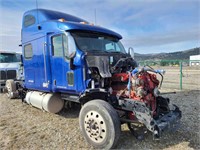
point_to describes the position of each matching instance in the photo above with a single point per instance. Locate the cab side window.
(29, 20)
(57, 46)
(60, 45)
(28, 51)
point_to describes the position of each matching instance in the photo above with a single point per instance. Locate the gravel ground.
(25, 127)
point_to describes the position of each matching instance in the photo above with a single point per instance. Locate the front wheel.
(11, 88)
(100, 124)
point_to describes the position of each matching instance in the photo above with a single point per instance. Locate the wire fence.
(180, 75)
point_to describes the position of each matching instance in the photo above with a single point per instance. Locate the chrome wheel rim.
(95, 126)
(9, 89)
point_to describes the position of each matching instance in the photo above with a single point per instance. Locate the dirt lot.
(25, 127)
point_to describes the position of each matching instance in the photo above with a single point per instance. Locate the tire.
(11, 88)
(100, 124)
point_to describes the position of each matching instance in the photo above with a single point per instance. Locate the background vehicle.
(66, 58)
(9, 67)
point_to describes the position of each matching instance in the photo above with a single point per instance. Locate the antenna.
(39, 27)
(36, 2)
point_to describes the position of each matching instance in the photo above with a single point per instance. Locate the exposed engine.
(137, 92)
(137, 85)
(132, 92)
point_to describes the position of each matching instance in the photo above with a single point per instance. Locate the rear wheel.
(100, 124)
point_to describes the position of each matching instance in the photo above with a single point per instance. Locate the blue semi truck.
(68, 59)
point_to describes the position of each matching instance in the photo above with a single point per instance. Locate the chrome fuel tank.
(47, 101)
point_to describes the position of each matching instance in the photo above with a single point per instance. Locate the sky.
(148, 26)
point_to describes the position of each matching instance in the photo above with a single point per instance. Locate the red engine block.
(143, 86)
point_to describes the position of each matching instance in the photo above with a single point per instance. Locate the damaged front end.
(134, 94)
(112, 75)
(137, 94)
(157, 125)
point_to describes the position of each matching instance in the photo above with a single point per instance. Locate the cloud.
(162, 38)
(142, 23)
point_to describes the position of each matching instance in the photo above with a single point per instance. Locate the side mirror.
(131, 52)
(71, 52)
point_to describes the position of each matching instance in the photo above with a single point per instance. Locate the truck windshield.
(9, 58)
(95, 42)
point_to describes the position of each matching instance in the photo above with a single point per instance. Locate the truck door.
(62, 75)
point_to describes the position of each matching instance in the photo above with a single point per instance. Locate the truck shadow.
(174, 140)
(70, 110)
